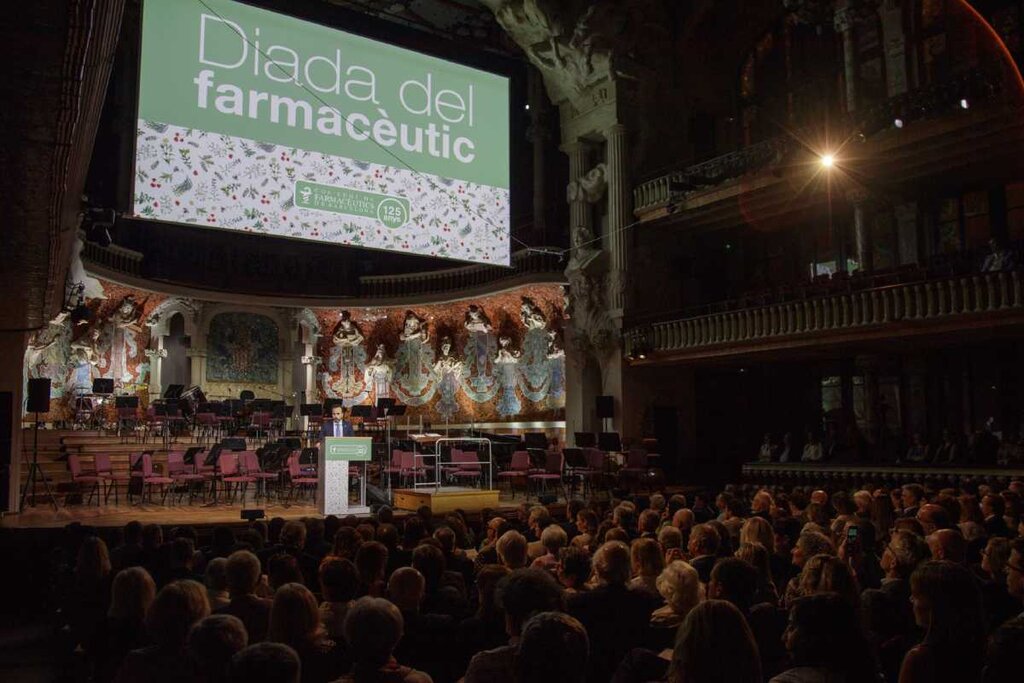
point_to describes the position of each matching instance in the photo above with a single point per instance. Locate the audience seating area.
(904, 583)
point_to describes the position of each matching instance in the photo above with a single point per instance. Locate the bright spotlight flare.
(827, 160)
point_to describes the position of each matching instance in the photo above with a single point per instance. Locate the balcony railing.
(929, 300)
(524, 263)
(112, 257)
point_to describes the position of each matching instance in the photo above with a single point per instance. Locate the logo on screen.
(392, 213)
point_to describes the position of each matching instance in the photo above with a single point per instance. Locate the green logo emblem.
(392, 213)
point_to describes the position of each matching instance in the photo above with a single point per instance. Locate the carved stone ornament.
(533, 318)
(476, 320)
(590, 187)
(415, 328)
(347, 332)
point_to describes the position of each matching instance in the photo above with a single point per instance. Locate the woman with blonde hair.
(88, 592)
(680, 585)
(295, 621)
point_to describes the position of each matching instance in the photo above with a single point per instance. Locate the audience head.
(429, 560)
(905, 551)
(511, 548)
(829, 574)
(824, 633)
(93, 563)
(243, 573)
(679, 584)
(406, 588)
(339, 579)
(283, 568)
(1015, 569)
(294, 617)
(574, 567)
(758, 530)
(216, 575)
(715, 645)
(213, 642)
(373, 627)
(293, 535)
(487, 580)
(704, 540)
(947, 604)
(994, 558)
(670, 538)
(646, 557)
(649, 521)
(948, 544)
(683, 519)
(809, 544)
(553, 648)
(553, 539)
(1003, 661)
(131, 595)
(734, 580)
(371, 562)
(612, 563)
(266, 663)
(526, 592)
(932, 518)
(911, 495)
(177, 607)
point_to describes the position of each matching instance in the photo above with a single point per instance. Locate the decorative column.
(845, 21)
(580, 212)
(197, 360)
(156, 365)
(895, 43)
(620, 209)
(862, 230)
(868, 366)
(538, 134)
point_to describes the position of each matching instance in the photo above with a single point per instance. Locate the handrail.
(914, 301)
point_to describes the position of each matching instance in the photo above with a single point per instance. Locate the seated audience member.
(646, 562)
(488, 553)
(812, 449)
(553, 648)
(999, 604)
(88, 595)
(243, 572)
(734, 580)
(129, 553)
(1015, 570)
(735, 514)
(216, 580)
(455, 559)
(552, 540)
(648, 524)
(756, 556)
(948, 450)
(703, 550)
(671, 541)
(826, 643)
(587, 525)
(768, 449)
(282, 569)
(993, 508)
(176, 608)
(829, 574)
(1002, 662)
(947, 606)
(295, 621)
(760, 530)
(809, 544)
(372, 563)
(572, 511)
(485, 630)
(679, 585)
(538, 520)
(339, 583)
(521, 594)
(293, 542)
(428, 638)
(446, 592)
(918, 451)
(911, 497)
(511, 549)
(948, 544)
(932, 518)
(212, 643)
(346, 543)
(387, 535)
(574, 569)
(265, 663)
(373, 628)
(124, 628)
(614, 616)
(786, 532)
(715, 645)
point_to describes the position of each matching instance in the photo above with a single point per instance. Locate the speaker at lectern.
(342, 458)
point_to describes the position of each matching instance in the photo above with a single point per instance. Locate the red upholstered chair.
(519, 469)
(299, 479)
(111, 479)
(183, 474)
(209, 426)
(552, 472)
(635, 469)
(232, 476)
(395, 466)
(149, 478)
(250, 463)
(80, 476)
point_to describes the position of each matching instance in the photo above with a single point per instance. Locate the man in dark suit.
(703, 549)
(993, 507)
(337, 425)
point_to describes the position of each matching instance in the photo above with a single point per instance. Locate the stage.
(42, 516)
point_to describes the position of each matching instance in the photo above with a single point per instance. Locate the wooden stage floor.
(42, 516)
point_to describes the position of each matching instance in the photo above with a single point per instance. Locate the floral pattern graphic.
(191, 176)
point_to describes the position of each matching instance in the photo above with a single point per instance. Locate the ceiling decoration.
(464, 19)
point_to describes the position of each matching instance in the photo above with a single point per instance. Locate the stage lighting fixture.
(827, 160)
(898, 123)
(964, 104)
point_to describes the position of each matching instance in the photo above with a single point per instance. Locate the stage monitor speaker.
(605, 407)
(38, 395)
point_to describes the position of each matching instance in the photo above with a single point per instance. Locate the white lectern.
(337, 455)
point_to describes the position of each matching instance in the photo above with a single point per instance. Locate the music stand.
(575, 462)
(584, 439)
(609, 442)
(311, 410)
(388, 408)
(535, 440)
(103, 386)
